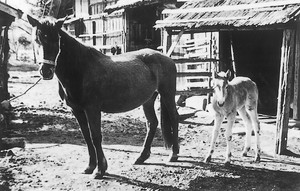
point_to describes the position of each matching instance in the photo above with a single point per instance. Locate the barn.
(259, 39)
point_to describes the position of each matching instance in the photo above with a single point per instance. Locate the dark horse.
(92, 82)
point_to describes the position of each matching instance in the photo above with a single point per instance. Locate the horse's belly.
(125, 103)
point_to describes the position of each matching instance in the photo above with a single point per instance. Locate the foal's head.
(221, 86)
(47, 36)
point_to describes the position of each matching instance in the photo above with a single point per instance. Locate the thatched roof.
(224, 14)
(124, 4)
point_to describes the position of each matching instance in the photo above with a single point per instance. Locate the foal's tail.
(166, 124)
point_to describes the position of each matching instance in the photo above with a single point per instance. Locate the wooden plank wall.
(196, 57)
(104, 32)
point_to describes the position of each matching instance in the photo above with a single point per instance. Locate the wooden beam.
(296, 100)
(201, 20)
(171, 49)
(17, 13)
(284, 92)
(232, 7)
(167, 39)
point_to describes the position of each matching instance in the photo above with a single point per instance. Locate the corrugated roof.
(121, 4)
(231, 13)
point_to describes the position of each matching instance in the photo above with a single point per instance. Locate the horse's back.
(246, 91)
(243, 83)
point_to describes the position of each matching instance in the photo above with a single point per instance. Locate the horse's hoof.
(140, 160)
(173, 158)
(99, 175)
(89, 170)
(207, 159)
(257, 159)
(227, 164)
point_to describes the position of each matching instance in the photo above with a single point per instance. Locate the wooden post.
(4, 95)
(296, 100)
(284, 91)
(224, 51)
(167, 41)
(171, 49)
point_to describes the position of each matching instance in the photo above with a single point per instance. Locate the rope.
(11, 99)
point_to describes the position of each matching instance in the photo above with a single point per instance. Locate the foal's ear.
(34, 22)
(59, 22)
(228, 74)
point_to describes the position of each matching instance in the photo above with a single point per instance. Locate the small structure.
(259, 39)
(7, 16)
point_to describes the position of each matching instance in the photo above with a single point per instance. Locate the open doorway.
(141, 31)
(257, 55)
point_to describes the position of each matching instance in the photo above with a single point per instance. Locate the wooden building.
(7, 16)
(259, 39)
(127, 24)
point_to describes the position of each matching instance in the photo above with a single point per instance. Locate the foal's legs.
(82, 120)
(93, 115)
(152, 123)
(254, 119)
(218, 121)
(230, 119)
(247, 121)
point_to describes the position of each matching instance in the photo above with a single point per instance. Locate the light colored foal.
(239, 95)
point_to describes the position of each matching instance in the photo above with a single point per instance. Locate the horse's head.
(47, 37)
(220, 81)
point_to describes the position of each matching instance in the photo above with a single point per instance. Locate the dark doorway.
(142, 34)
(257, 55)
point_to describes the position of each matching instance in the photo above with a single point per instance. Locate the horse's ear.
(228, 74)
(34, 22)
(59, 22)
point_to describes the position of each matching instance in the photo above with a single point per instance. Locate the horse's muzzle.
(47, 72)
(220, 104)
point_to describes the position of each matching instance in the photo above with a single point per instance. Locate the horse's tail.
(166, 125)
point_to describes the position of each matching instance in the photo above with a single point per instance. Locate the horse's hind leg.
(247, 121)
(169, 124)
(81, 118)
(256, 126)
(152, 123)
(218, 121)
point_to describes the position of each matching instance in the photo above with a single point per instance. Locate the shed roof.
(123, 4)
(224, 14)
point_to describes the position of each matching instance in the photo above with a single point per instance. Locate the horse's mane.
(78, 46)
(49, 24)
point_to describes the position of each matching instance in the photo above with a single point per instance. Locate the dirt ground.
(56, 154)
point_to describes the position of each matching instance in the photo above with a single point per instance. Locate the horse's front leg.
(218, 121)
(83, 123)
(93, 115)
(230, 119)
(248, 124)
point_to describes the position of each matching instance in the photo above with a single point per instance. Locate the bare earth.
(56, 154)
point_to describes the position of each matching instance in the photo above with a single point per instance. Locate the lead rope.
(6, 103)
